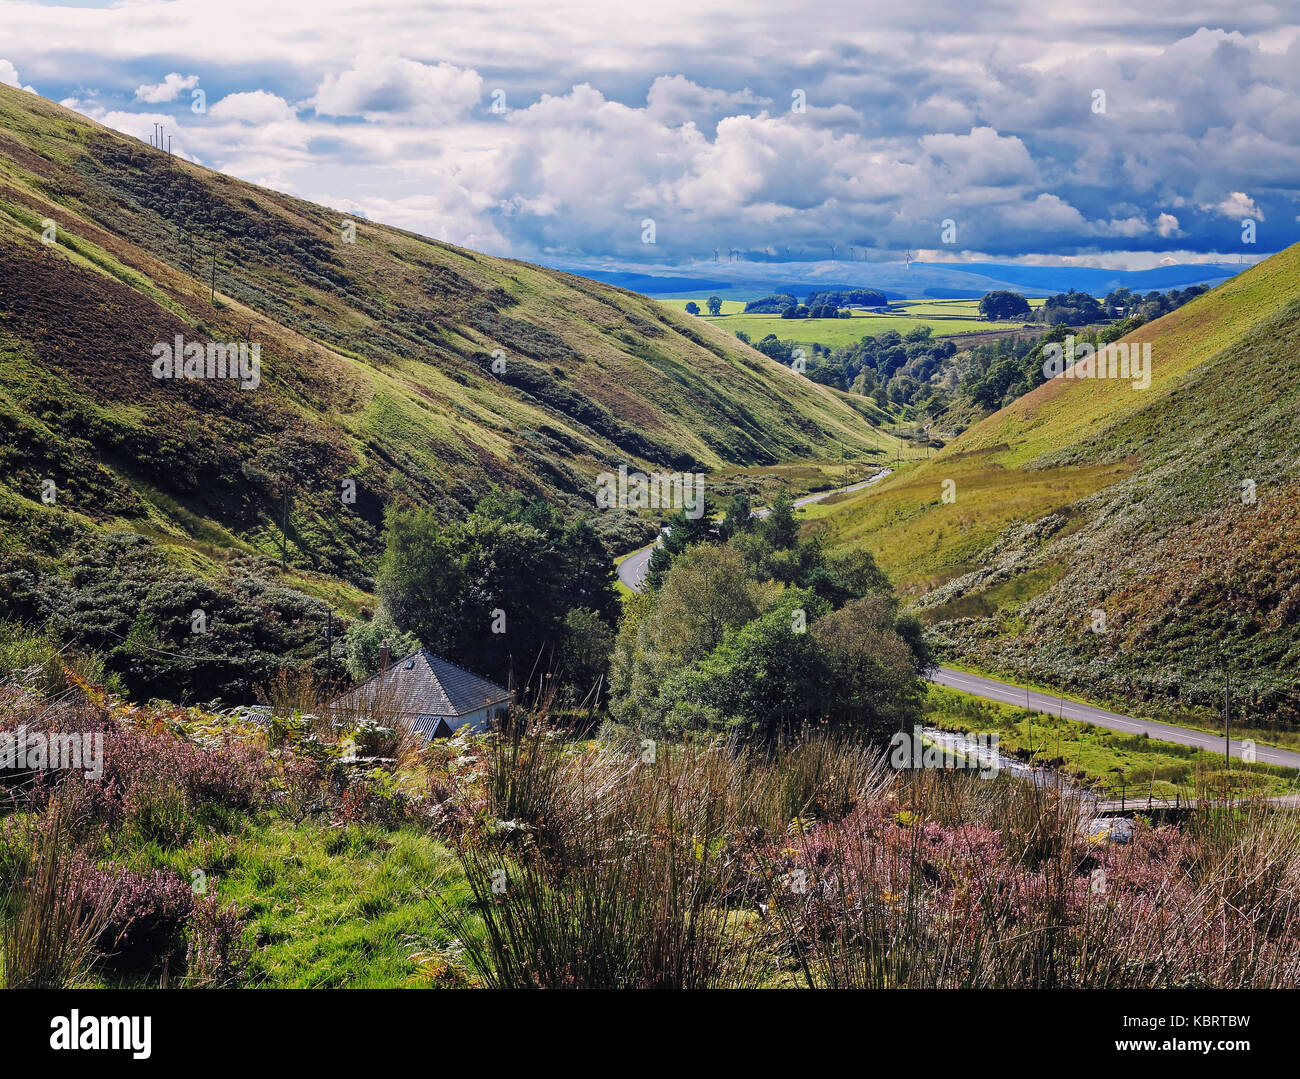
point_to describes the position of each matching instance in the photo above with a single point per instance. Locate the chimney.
(385, 657)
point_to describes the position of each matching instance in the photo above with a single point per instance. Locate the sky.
(1118, 134)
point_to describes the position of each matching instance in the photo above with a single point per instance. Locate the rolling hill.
(394, 371)
(1089, 496)
(377, 364)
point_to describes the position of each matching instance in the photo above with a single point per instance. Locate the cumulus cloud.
(1167, 226)
(675, 99)
(1237, 205)
(168, 90)
(386, 86)
(9, 77)
(914, 114)
(253, 107)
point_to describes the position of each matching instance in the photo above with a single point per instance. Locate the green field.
(952, 308)
(946, 318)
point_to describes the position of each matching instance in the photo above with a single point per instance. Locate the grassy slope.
(1089, 495)
(376, 365)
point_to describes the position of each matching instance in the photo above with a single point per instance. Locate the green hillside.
(1089, 495)
(376, 356)
(129, 502)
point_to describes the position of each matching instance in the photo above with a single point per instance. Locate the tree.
(707, 593)
(766, 678)
(714, 304)
(780, 528)
(1002, 304)
(492, 592)
(872, 686)
(682, 532)
(585, 651)
(739, 517)
(363, 640)
(692, 308)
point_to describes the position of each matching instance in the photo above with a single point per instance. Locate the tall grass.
(48, 926)
(976, 885)
(622, 863)
(617, 864)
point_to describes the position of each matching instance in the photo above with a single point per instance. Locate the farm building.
(426, 694)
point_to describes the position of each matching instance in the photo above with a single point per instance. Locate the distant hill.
(1090, 496)
(937, 280)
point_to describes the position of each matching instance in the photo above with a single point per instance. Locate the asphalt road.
(1086, 713)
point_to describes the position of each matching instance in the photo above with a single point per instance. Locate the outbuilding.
(427, 694)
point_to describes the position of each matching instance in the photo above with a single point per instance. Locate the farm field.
(969, 308)
(945, 318)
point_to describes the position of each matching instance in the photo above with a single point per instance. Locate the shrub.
(216, 957)
(144, 928)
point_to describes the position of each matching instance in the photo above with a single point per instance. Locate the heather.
(219, 849)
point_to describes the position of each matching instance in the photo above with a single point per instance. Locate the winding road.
(632, 571)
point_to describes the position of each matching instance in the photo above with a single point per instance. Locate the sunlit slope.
(1173, 512)
(377, 363)
(1062, 412)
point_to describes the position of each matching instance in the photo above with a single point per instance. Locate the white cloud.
(386, 86)
(253, 107)
(1237, 206)
(1167, 225)
(167, 90)
(675, 99)
(916, 113)
(9, 77)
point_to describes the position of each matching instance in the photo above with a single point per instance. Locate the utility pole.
(1227, 711)
(214, 275)
(284, 528)
(329, 646)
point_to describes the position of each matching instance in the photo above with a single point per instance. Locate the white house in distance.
(426, 694)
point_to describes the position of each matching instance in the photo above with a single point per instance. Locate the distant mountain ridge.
(937, 280)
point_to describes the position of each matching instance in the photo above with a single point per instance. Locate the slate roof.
(425, 686)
